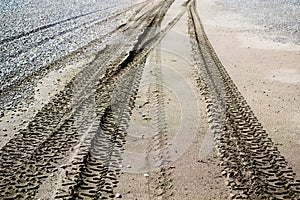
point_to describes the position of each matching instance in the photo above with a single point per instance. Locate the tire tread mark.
(253, 165)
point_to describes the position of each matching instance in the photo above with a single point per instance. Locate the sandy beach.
(152, 100)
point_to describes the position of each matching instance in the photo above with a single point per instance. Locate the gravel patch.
(34, 34)
(280, 19)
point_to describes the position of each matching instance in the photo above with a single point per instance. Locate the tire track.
(12, 88)
(159, 183)
(85, 184)
(252, 164)
(106, 156)
(28, 159)
(104, 153)
(36, 151)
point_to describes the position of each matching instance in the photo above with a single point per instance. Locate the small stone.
(128, 166)
(146, 175)
(223, 173)
(227, 183)
(118, 195)
(63, 166)
(54, 170)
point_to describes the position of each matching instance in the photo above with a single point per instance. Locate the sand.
(150, 134)
(267, 74)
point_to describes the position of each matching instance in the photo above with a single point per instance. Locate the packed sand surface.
(163, 99)
(266, 72)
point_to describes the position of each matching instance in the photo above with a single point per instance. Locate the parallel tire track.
(54, 120)
(30, 157)
(253, 165)
(160, 182)
(100, 167)
(11, 89)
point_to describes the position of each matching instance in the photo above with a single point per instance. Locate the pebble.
(118, 195)
(55, 169)
(128, 166)
(146, 175)
(63, 166)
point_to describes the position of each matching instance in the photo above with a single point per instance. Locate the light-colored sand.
(162, 155)
(266, 73)
(176, 150)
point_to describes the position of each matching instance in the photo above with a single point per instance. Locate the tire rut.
(11, 89)
(30, 157)
(252, 163)
(106, 144)
(159, 182)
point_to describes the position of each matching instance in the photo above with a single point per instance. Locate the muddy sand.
(178, 104)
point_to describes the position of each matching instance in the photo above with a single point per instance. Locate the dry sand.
(176, 133)
(267, 73)
(163, 156)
